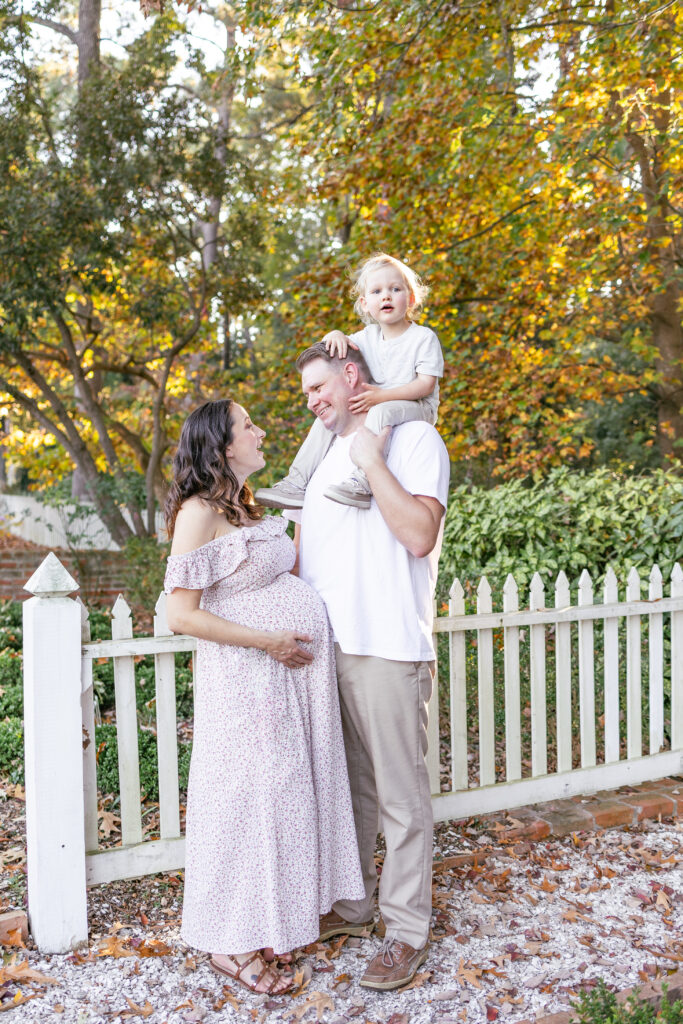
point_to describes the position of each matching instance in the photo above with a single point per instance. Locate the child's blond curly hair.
(417, 289)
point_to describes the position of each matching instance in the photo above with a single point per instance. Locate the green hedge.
(569, 520)
(600, 1006)
(108, 768)
(12, 749)
(12, 758)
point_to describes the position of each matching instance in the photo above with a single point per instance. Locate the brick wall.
(100, 574)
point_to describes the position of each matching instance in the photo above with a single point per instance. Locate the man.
(376, 570)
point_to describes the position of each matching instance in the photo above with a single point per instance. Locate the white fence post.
(539, 725)
(611, 671)
(563, 677)
(586, 675)
(55, 836)
(458, 690)
(513, 709)
(487, 739)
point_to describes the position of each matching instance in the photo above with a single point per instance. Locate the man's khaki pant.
(384, 718)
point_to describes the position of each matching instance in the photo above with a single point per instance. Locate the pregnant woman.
(271, 843)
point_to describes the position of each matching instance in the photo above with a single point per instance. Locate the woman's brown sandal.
(276, 976)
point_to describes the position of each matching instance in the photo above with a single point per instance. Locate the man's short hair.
(318, 351)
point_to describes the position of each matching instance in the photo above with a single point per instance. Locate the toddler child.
(405, 361)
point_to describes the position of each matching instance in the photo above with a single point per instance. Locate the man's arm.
(414, 519)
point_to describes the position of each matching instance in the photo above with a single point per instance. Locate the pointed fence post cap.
(51, 579)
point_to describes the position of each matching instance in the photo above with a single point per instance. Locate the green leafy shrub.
(108, 768)
(10, 641)
(600, 1006)
(12, 749)
(569, 520)
(11, 613)
(103, 682)
(11, 701)
(145, 568)
(10, 668)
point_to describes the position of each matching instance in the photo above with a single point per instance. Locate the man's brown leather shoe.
(395, 965)
(332, 924)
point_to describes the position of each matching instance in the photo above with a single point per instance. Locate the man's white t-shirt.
(378, 596)
(397, 361)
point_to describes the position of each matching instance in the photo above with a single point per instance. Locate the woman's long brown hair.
(201, 467)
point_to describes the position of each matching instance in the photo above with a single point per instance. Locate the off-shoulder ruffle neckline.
(255, 530)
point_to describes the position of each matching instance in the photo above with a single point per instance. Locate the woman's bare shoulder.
(197, 523)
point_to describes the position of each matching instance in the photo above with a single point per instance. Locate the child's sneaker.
(350, 492)
(282, 495)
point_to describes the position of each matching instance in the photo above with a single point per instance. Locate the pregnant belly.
(286, 603)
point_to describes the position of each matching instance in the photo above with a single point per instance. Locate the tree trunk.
(668, 337)
(89, 13)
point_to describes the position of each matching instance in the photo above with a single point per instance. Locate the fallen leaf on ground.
(134, 1010)
(13, 938)
(15, 855)
(114, 947)
(418, 981)
(319, 1001)
(17, 1001)
(299, 982)
(227, 996)
(469, 973)
(153, 947)
(22, 972)
(109, 822)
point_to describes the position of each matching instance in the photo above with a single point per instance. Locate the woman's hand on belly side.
(185, 616)
(284, 647)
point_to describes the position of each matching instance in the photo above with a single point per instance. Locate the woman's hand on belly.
(284, 647)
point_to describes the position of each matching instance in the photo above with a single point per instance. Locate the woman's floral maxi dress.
(270, 841)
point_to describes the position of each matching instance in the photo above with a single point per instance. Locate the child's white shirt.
(398, 360)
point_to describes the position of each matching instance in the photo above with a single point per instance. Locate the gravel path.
(514, 937)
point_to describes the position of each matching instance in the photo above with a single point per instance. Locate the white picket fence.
(639, 618)
(61, 791)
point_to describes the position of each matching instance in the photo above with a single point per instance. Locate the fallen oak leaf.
(193, 1016)
(227, 996)
(22, 972)
(78, 958)
(108, 823)
(319, 1001)
(299, 982)
(135, 1010)
(661, 901)
(418, 981)
(114, 947)
(13, 938)
(153, 947)
(469, 973)
(18, 999)
(341, 979)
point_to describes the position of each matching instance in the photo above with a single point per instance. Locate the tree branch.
(57, 26)
(488, 227)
